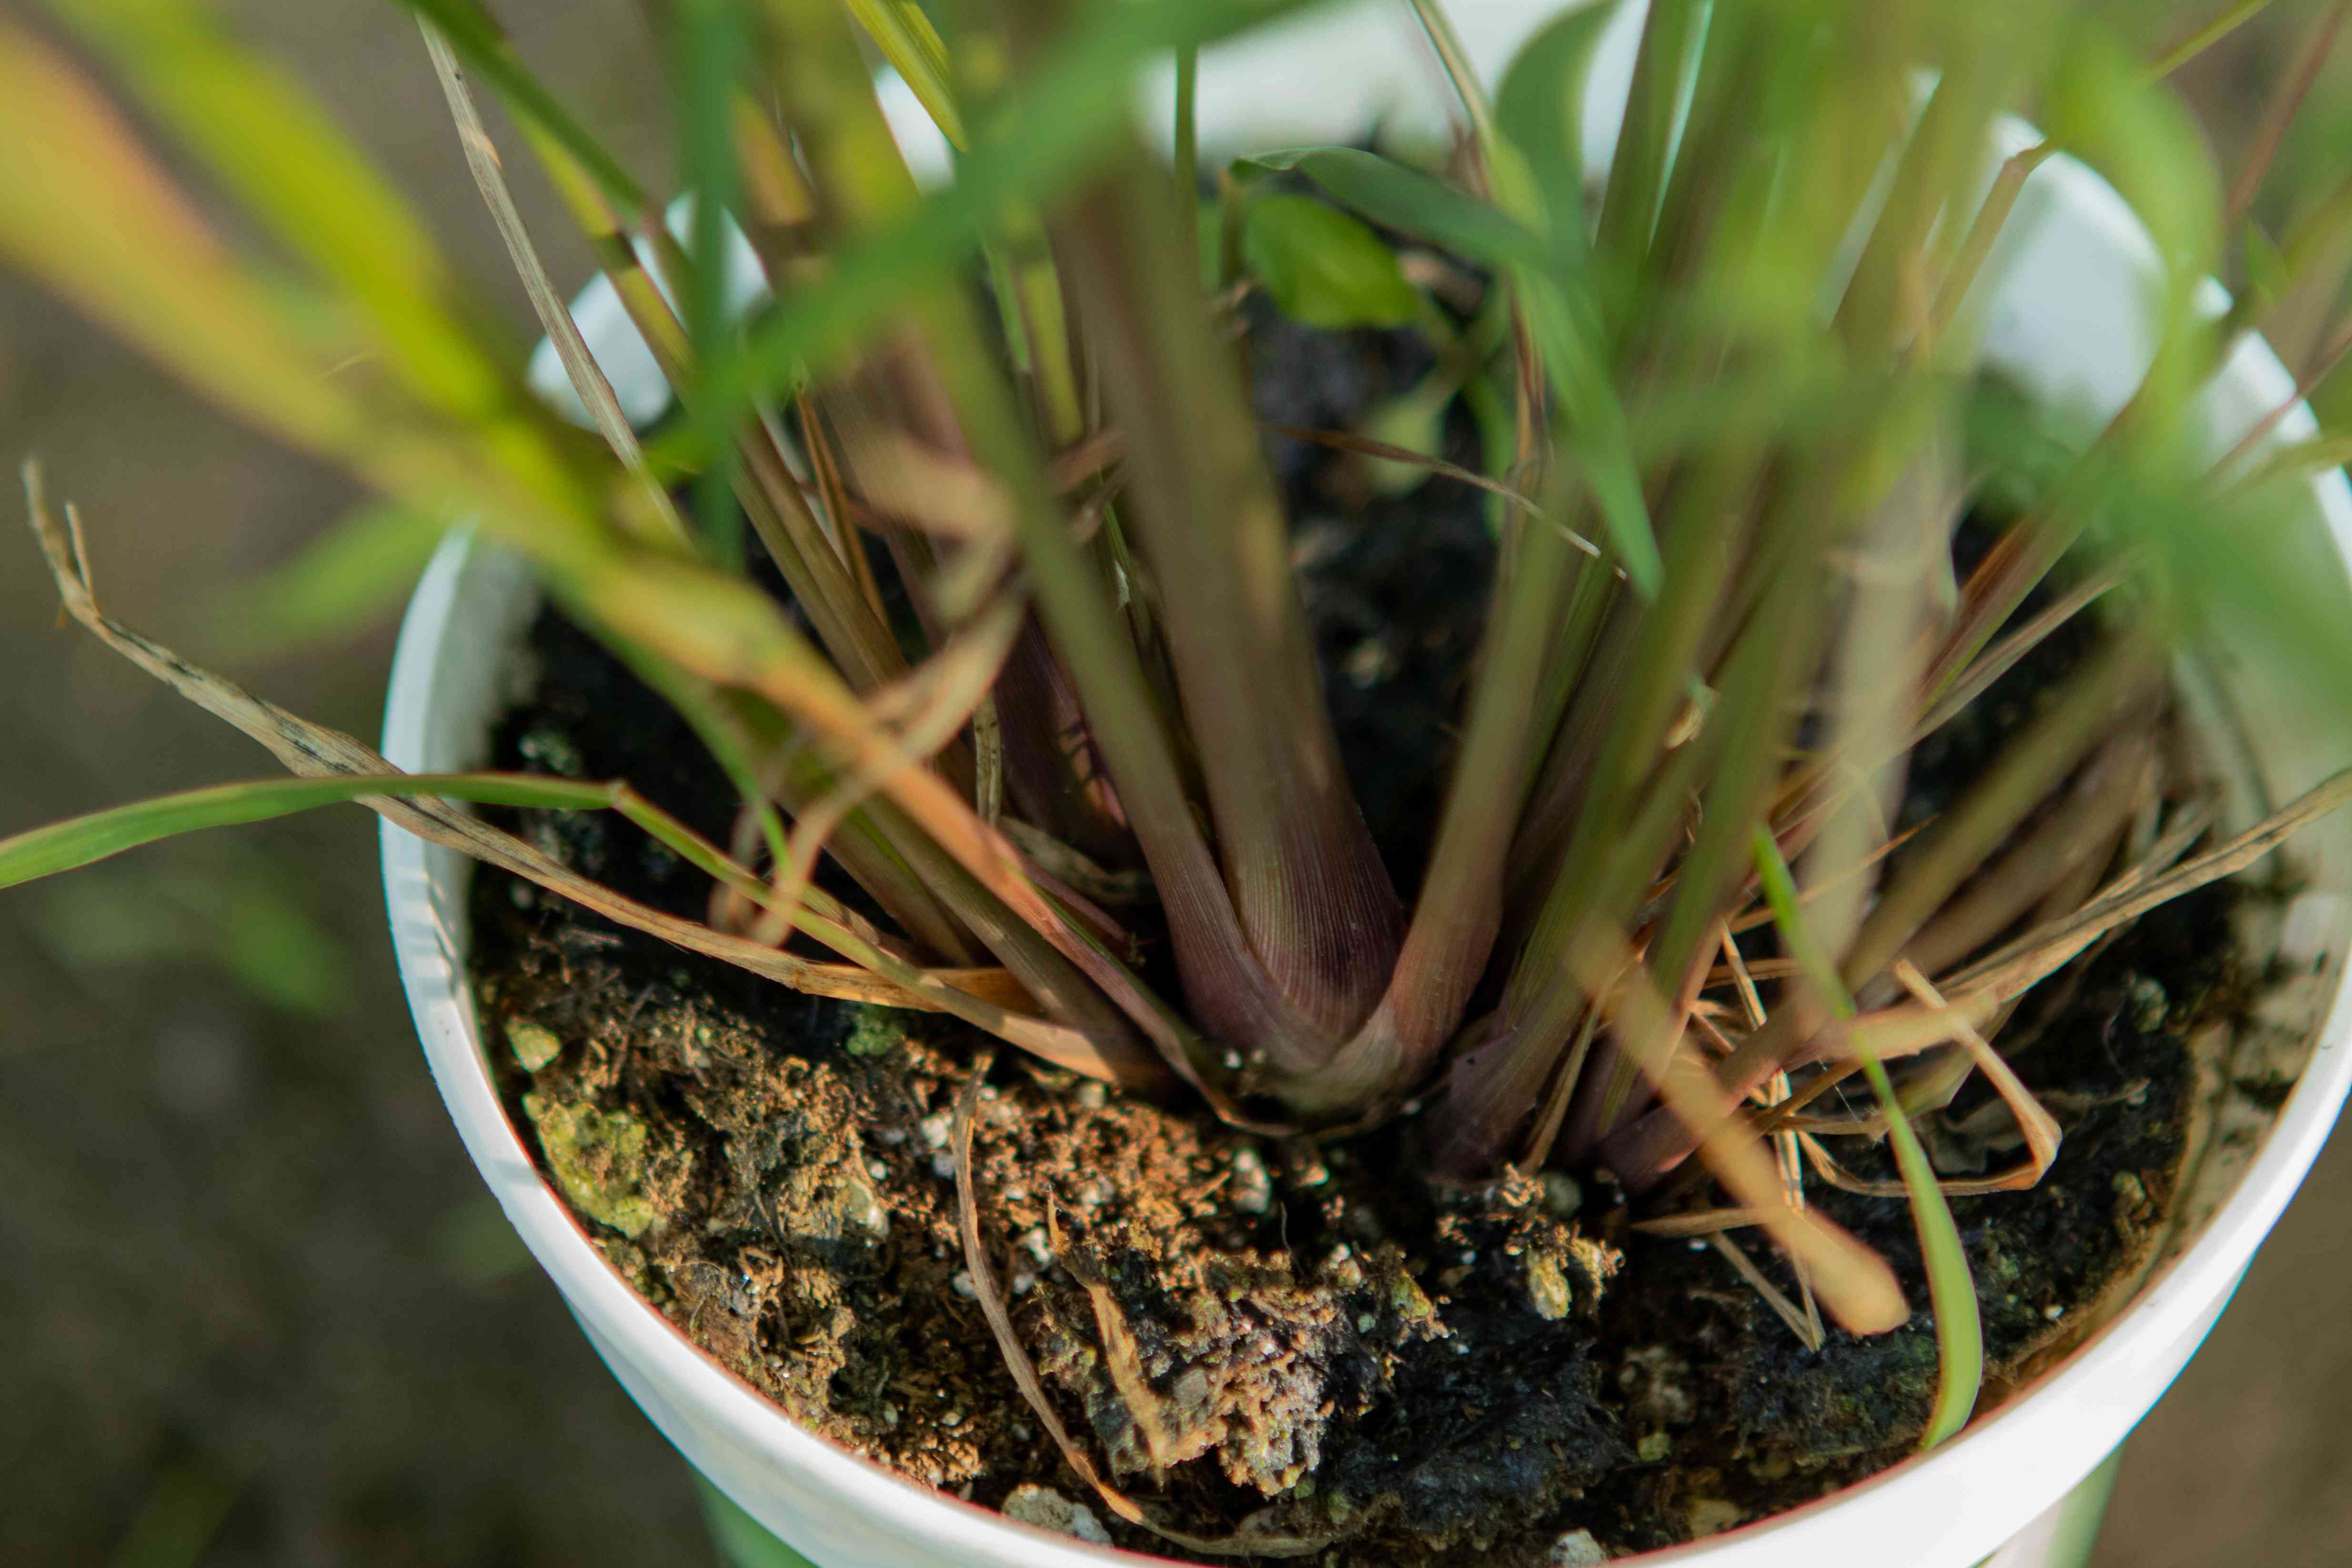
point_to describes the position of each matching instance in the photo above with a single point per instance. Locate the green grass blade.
(711, 35)
(1187, 147)
(912, 45)
(307, 358)
(1639, 169)
(2205, 37)
(1322, 267)
(1455, 58)
(85, 208)
(272, 143)
(1569, 340)
(1560, 312)
(479, 42)
(1952, 1292)
(1412, 203)
(1063, 125)
(1538, 110)
(83, 840)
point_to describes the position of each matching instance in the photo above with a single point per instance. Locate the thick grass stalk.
(1188, 151)
(1894, 559)
(1459, 910)
(1494, 1089)
(1055, 774)
(1304, 880)
(1631, 717)
(1230, 994)
(857, 166)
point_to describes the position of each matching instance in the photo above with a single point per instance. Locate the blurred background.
(255, 1306)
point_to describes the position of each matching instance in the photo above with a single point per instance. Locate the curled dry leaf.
(1854, 1283)
(314, 751)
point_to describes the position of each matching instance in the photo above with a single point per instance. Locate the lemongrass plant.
(1728, 401)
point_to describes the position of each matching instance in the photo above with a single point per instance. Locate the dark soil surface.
(1267, 1337)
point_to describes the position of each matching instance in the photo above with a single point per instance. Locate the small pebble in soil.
(1562, 1194)
(1547, 1289)
(1049, 1510)
(1577, 1549)
(1251, 1189)
(1709, 1516)
(963, 1285)
(1092, 1095)
(534, 1045)
(862, 1206)
(599, 1159)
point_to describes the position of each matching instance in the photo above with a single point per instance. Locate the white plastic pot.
(2065, 318)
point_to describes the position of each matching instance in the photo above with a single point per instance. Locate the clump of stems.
(1731, 425)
